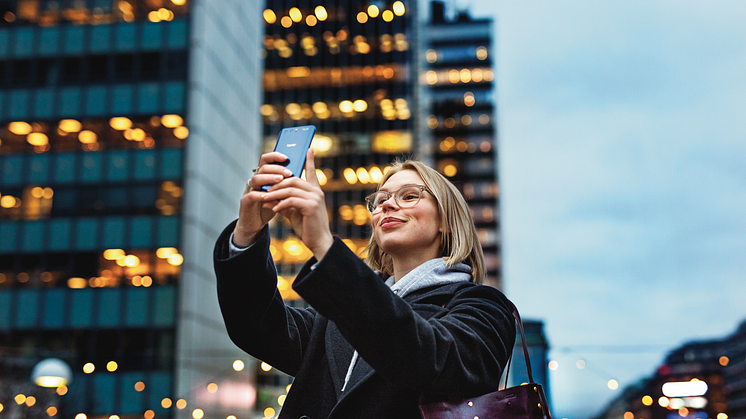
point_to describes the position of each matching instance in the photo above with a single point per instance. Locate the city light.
(266, 367)
(89, 368)
(111, 366)
(172, 121)
(295, 14)
(198, 414)
(19, 128)
(373, 11)
(37, 139)
(321, 13)
(269, 16)
(70, 125)
(166, 403)
(238, 365)
(647, 400)
(139, 386)
(613, 384)
(684, 388)
(212, 388)
(120, 123)
(553, 365)
(399, 9)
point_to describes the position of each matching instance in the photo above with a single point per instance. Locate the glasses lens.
(408, 196)
(375, 200)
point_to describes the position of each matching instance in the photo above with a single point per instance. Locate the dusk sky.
(623, 180)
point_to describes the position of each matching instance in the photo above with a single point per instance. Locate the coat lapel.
(339, 354)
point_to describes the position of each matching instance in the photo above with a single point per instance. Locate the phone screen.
(294, 143)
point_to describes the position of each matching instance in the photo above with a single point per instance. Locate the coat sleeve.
(255, 316)
(462, 352)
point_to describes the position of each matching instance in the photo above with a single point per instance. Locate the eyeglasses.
(406, 197)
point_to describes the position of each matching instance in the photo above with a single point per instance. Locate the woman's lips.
(390, 222)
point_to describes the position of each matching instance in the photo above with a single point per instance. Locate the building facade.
(459, 106)
(699, 380)
(127, 132)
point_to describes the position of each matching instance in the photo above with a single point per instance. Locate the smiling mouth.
(390, 222)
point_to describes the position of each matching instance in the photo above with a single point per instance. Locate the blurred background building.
(126, 131)
(699, 380)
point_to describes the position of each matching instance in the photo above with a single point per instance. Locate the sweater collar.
(431, 273)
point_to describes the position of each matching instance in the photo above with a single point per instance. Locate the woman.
(407, 321)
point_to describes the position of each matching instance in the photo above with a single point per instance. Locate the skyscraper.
(128, 130)
(460, 109)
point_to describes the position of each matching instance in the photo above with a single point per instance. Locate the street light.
(52, 372)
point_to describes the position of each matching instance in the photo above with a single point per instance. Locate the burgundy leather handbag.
(526, 401)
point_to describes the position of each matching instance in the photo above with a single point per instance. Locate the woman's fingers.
(311, 168)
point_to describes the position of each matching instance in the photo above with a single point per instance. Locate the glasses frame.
(395, 194)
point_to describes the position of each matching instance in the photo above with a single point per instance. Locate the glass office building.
(461, 116)
(127, 132)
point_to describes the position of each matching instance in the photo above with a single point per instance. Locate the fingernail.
(287, 172)
(279, 177)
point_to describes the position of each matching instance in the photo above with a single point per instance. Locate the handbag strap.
(523, 342)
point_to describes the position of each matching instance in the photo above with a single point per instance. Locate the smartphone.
(294, 143)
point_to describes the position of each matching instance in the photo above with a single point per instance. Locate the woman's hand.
(255, 211)
(302, 202)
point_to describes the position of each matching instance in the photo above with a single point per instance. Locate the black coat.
(451, 339)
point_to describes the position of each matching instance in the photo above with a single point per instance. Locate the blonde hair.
(460, 242)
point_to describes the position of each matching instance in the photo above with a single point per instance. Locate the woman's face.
(399, 231)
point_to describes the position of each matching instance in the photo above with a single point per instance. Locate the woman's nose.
(389, 203)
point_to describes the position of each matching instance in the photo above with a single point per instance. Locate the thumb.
(311, 168)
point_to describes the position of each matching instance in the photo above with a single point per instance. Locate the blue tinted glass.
(168, 231)
(148, 98)
(125, 37)
(141, 231)
(24, 45)
(64, 168)
(6, 297)
(103, 393)
(86, 235)
(165, 306)
(100, 35)
(27, 308)
(159, 389)
(59, 234)
(43, 103)
(49, 41)
(117, 197)
(122, 100)
(152, 35)
(96, 101)
(2, 102)
(18, 106)
(82, 308)
(174, 97)
(54, 308)
(177, 33)
(117, 165)
(8, 231)
(4, 42)
(132, 399)
(108, 307)
(78, 393)
(65, 199)
(12, 170)
(39, 168)
(70, 101)
(33, 236)
(144, 164)
(74, 39)
(171, 163)
(137, 307)
(113, 232)
(91, 167)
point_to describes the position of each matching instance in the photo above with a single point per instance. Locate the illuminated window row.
(454, 76)
(450, 145)
(302, 77)
(450, 122)
(319, 14)
(460, 53)
(91, 134)
(50, 13)
(116, 269)
(481, 190)
(335, 43)
(346, 109)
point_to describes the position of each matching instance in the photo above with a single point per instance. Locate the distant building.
(460, 113)
(127, 132)
(538, 351)
(699, 380)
